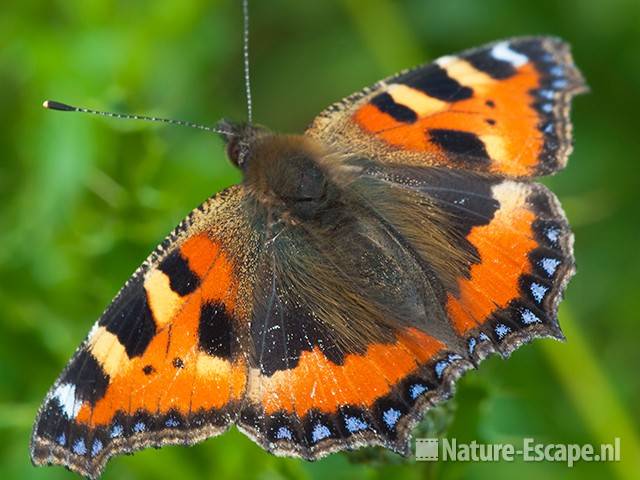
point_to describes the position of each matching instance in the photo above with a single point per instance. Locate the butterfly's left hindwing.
(502, 108)
(164, 363)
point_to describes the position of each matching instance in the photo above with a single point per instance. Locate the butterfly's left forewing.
(164, 363)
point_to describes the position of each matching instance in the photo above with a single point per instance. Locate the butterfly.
(339, 291)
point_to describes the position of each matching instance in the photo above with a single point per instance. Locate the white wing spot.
(65, 394)
(503, 52)
(446, 60)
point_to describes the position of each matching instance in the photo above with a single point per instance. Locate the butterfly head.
(238, 137)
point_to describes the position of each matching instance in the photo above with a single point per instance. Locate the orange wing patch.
(162, 358)
(373, 398)
(317, 383)
(525, 260)
(172, 373)
(499, 115)
(503, 246)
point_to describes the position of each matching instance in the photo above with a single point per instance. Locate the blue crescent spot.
(171, 422)
(549, 265)
(472, 344)
(557, 71)
(319, 432)
(440, 366)
(538, 291)
(283, 433)
(139, 427)
(502, 330)
(416, 390)
(391, 417)
(97, 447)
(548, 94)
(116, 430)
(355, 424)
(552, 234)
(62, 439)
(79, 448)
(559, 84)
(528, 317)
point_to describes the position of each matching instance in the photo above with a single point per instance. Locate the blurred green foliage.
(83, 200)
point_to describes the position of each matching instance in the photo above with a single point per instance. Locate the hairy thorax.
(290, 174)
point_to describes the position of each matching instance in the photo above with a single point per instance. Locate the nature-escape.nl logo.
(449, 449)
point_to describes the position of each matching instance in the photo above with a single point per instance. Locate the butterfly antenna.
(63, 107)
(245, 50)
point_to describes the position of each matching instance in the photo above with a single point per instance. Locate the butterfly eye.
(237, 151)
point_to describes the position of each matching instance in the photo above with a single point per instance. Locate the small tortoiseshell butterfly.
(358, 270)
